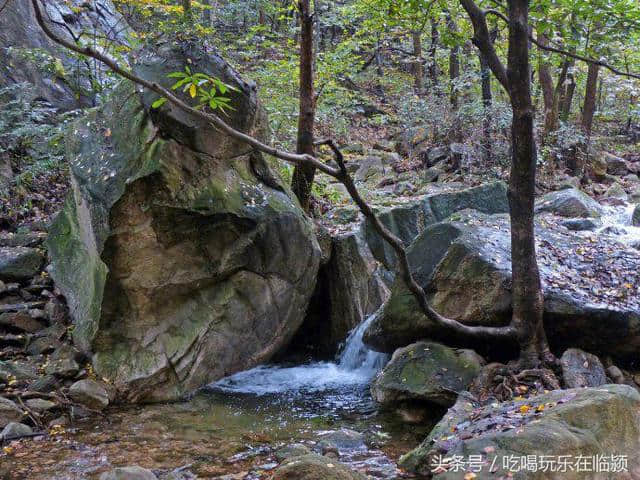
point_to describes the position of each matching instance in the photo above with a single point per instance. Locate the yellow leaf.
(540, 408)
(524, 409)
(469, 476)
(192, 90)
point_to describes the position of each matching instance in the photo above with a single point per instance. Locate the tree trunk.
(590, 98)
(433, 50)
(487, 100)
(567, 101)
(416, 36)
(526, 285)
(454, 65)
(302, 180)
(186, 8)
(548, 92)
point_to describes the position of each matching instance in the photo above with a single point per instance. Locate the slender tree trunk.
(418, 73)
(487, 100)
(567, 101)
(303, 175)
(454, 65)
(433, 50)
(548, 92)
(590, 97)
(526, 287)
(186, 8)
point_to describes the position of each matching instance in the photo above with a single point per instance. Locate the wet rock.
(39, 405)
(21, 322)
(344, 439)
(369, 167)
(573, 423)
(9, 412)
(19, 263)
(315, 467)
(89, 393)
(571, 202)
(615, 165)
(290, 451)
(635, 217)
(42, 345)
(16, 371)
(178, 270)
(426, 372)
(464, 265)
(15, 430)
(580, 224)
(129, 473)
(582, 369)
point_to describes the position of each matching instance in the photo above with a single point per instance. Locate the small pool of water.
(233, 427)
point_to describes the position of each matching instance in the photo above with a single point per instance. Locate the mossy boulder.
(464, 264)
(426, 372)
(182, 255)
(570, 202)
(315, 467)
(562, 424)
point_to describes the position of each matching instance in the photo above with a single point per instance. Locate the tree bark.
(433, 50)
(454, 65)
(303, 174)
(590, 97)
(487, 100)
(186, 8)
(526, 286)
(418, 73)
(548, 91)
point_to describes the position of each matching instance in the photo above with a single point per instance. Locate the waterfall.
(356, 365)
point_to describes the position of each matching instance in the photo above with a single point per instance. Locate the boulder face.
(570, 202)
(426, 372)
(591, 298)
(182, 256)
(576, 423)
(28, 55)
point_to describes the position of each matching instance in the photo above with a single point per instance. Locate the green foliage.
(207, 90)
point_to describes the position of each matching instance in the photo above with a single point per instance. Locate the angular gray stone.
(128, 473)
(182, 255)
(89, 393)
(19, 263)
(580, 224)
(570, 202)
(15, 430)
(39, 405)
(426, 372)
(635, 217)
(290, 451)
(464, 265)
(615, 165)
(581, 369)
(9, 412)
(580, 422)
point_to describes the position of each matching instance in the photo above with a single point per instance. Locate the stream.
(233, 427)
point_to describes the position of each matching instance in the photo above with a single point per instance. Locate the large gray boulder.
(570, 202)
(28, 55)
(591, 298)
(182, 255)
(563, 424)
(407, 221)
(19, 263)
(315, 467)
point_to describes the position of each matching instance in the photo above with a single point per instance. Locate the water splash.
(616, 221)
(356, 366)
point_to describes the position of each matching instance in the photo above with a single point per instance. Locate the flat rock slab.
(19, 263)
(573, 426)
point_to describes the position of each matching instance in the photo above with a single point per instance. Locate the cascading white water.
(617, 221)
(356, 365)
